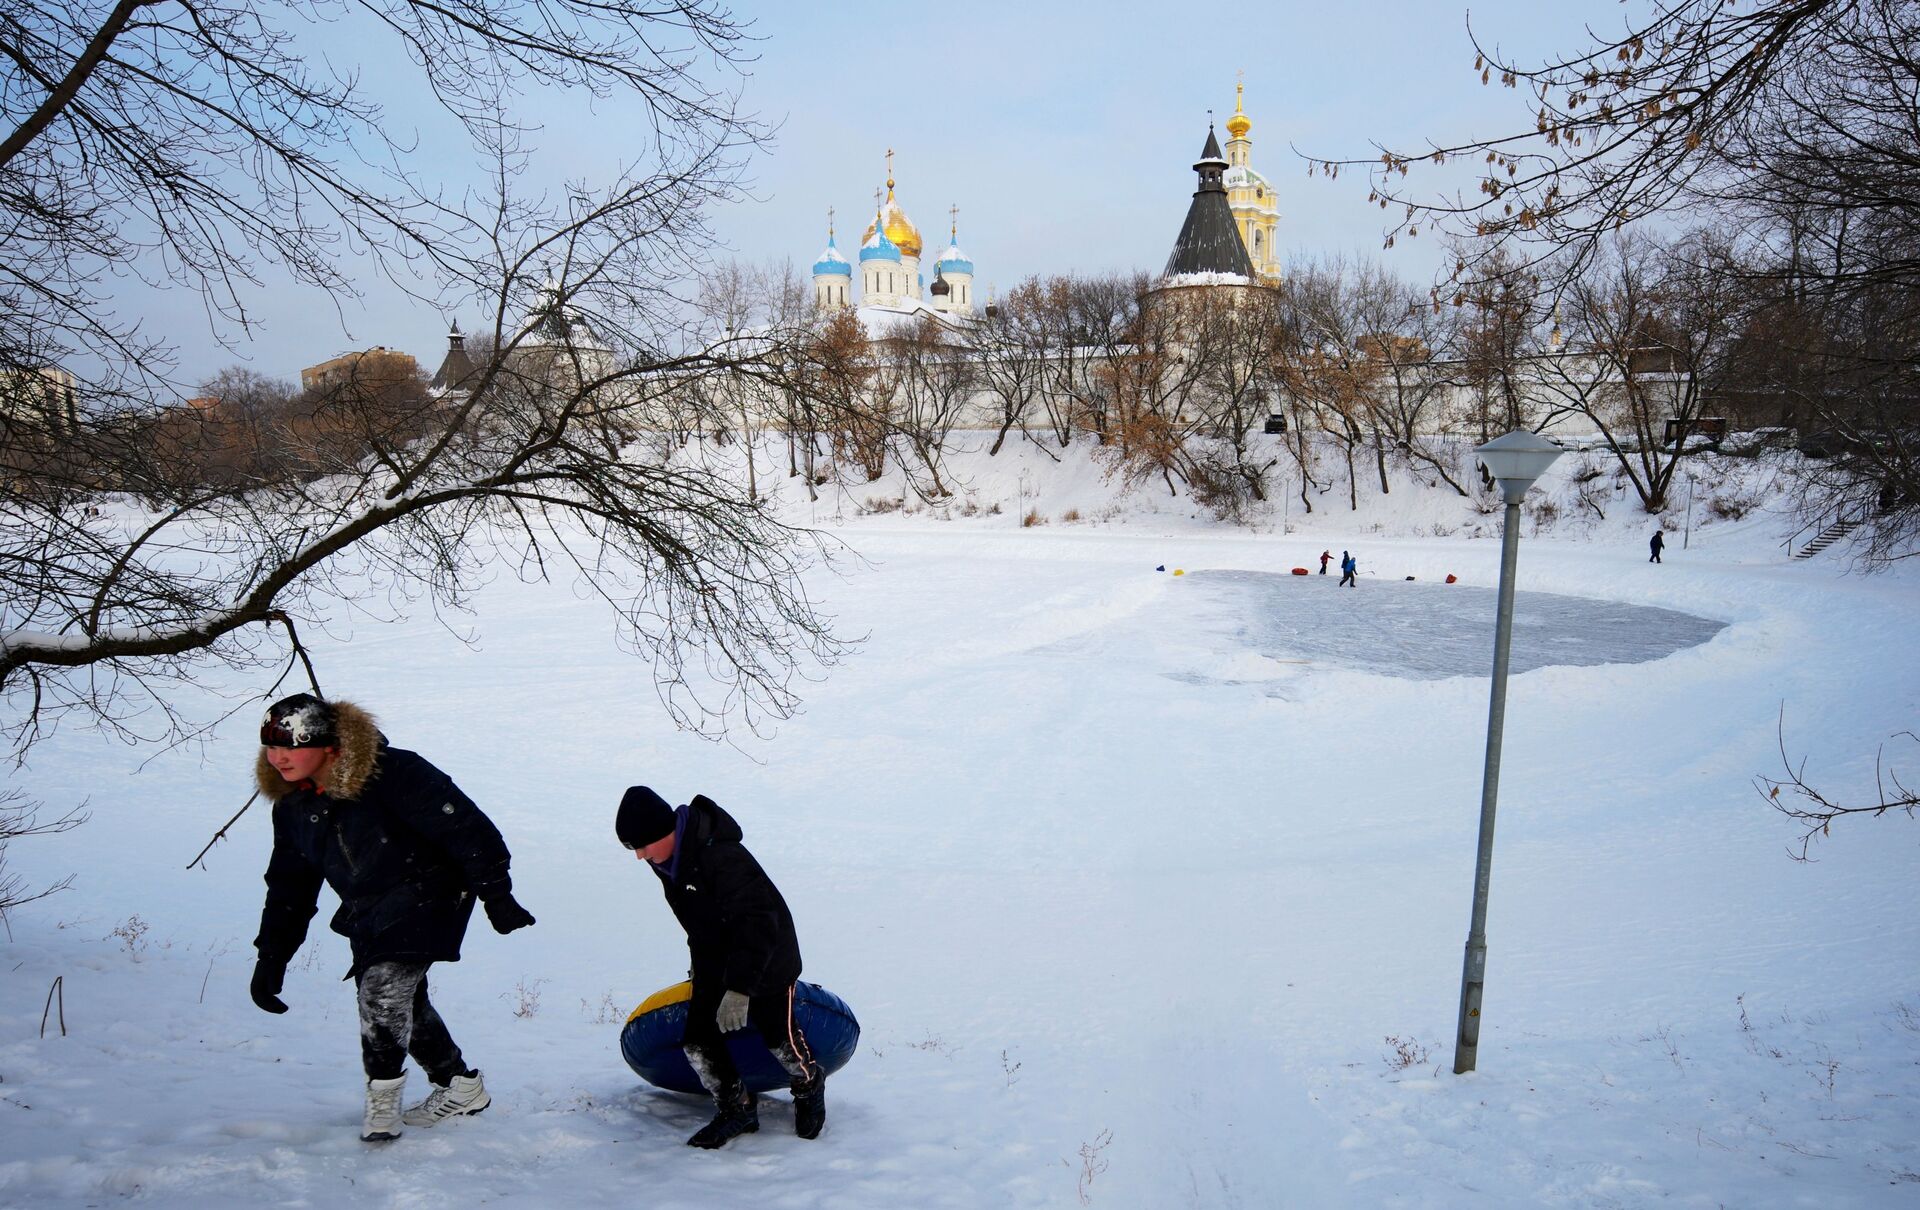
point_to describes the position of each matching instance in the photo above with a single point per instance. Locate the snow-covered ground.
(1149, 890)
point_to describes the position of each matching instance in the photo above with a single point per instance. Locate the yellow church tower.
(1256, 209)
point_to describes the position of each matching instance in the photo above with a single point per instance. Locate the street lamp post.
(1514, 461)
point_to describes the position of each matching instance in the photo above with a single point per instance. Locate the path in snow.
(1431, 631)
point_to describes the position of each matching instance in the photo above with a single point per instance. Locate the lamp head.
(1516, 460)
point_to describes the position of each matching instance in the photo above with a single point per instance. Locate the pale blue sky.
(1064, 132)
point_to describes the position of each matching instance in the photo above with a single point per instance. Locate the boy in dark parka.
(745, 956)
(407, 853)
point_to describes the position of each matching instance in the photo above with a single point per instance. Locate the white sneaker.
(382, 1120)
(459, 1096)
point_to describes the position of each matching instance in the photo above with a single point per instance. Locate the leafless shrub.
(1092, 1164)
(525, 997)
(132, 933)
(1403, 1053)
(1032, 519)
(1731, 506)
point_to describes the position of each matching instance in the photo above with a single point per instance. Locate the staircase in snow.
(1827, 537)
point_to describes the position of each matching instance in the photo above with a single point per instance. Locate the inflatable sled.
(650, 1040)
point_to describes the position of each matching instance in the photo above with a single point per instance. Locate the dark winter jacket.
(738, 928)
(1656, 542)
(404, 849)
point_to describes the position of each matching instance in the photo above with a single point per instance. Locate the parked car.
(1276, 423)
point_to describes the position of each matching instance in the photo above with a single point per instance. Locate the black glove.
(268, 974)
(507, 915)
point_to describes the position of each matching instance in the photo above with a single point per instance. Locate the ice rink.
(1425, 631)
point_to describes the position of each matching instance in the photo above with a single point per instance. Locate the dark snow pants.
(772, 1015)
(397, 1020)
(1346, 578)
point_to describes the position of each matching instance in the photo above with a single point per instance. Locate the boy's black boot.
(810, 1106)
(736, 1112)
(809, 1089)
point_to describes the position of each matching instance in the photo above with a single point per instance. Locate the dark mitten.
(507, 915)
(268, 974)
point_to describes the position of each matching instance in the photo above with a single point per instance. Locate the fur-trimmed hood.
(360, 743)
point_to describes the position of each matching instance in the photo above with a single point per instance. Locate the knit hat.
(644, 818)
(300, 721)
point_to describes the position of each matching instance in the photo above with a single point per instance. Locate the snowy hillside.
(1149, 889)
(1584, 497)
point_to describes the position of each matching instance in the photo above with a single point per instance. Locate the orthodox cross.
(953, 212)
(829, 224)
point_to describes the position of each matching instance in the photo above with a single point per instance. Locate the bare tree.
(1239, 387)
(1014, 348)
(938, 376)
(193, 136)
(1404, 331)
(1095, 320)
(1650, 326)
(1326, 361)
(1793, 123)
(1504, 332)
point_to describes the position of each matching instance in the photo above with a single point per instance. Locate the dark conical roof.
(457, 367)
(1210, 240)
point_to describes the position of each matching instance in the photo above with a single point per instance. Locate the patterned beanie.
(300, 721)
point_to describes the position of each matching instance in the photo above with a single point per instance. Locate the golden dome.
(1239, 123)
(900, 228)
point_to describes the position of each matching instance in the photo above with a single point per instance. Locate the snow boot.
(809, 1088)
(810, 1106)
(382, 1119)
(736, 1112)
(458, 1097)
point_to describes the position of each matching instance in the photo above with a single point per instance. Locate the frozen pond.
(1426, 631)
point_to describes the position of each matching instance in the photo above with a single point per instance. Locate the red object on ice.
(1452, 579)
(1299, 571)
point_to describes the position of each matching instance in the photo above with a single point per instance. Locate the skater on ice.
(1348, 567)
(745, 957)
(1325, 557)
(408, 854)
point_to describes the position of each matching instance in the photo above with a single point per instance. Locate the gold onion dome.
(1239, 124)
(900, 228)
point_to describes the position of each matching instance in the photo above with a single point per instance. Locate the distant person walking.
(1326, 557)
(1656, 545)
(1348, 566)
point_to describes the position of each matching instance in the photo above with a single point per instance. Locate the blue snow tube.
(650, 1040)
